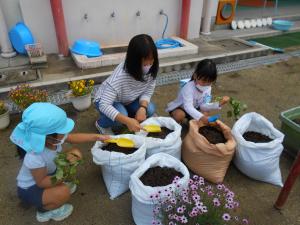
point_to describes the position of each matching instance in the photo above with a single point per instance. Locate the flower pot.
(4, 120)
(291, 130)
(81, 103)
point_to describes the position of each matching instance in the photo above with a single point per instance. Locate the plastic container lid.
(86, 47)
(20, 35)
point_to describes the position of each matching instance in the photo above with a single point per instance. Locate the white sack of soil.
(171, 144)
(259, 161)
(117, 167)
(143, 202)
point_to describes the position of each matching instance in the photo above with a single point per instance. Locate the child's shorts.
(32, 196)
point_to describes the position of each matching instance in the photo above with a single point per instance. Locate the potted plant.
(80, 93)
(4, 116)
(24, 95)
(199, 203)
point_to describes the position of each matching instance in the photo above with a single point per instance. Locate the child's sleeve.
(34, 161)
(208, 105)
(187, 94)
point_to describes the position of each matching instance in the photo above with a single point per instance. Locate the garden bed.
(256, 137)
(112, 147)
(212, 134)
(159, 176)
(162, 135)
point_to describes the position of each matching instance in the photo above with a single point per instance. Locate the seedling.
(65, 170)
(236, 108)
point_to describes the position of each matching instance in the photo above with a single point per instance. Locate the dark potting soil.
(112, 147)
(212, 134)
(297, 120)
(256, 137)
(162, 135)
(159, 176)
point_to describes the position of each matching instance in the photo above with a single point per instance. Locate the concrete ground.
(267, 90)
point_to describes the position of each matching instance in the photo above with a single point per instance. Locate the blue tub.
(85, 47)
(20, 35)
(283, 25)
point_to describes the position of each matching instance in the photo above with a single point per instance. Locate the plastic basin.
(86, 47)
(291, 129)
(167, 43)
(20, 35)
(283, 25)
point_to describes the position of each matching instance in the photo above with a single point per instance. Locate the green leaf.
(59, 174)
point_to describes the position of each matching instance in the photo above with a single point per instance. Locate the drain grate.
(173, 77)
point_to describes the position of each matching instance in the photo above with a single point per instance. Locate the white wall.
(99, 26)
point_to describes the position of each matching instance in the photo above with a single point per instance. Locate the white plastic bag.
(259, 161)
(170, 145)
(142, 203)
(117, 167)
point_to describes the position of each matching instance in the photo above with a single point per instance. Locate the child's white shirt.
(34, 160)
(190, 99)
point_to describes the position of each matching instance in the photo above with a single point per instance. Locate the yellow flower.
(80, 90)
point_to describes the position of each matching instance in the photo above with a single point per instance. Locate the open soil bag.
(168, 141)
(144, 197)
(259, 161)
(116, 166)
(205, 159)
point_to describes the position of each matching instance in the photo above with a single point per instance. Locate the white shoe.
(58, 214)
(102, 130)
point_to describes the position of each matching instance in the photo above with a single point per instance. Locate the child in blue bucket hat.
(43, 130)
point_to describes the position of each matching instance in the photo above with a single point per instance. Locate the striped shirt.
(122, 87)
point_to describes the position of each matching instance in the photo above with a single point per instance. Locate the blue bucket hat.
(38, 121)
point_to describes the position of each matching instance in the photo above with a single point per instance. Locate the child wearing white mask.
(124, 97)
(195, 97)
(40, 134)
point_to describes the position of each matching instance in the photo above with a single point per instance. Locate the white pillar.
(195, 19)
(208, 13)
(6, 48)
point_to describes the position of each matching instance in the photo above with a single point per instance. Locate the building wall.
(91, 19)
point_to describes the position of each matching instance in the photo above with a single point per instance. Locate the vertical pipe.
(185, 15)
(60, 26)
(209, 7)
(6, 48)
(284, 193)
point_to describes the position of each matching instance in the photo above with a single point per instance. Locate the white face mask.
(146, 69)
(202, 88)
(60, 142)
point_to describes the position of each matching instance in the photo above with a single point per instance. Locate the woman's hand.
(141, 114)
(133, 125)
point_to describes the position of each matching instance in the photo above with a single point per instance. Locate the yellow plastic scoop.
(152, 128)
(122, 142)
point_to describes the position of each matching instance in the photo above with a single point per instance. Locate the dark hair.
(21, 152)
(206, 70)
(141, 47)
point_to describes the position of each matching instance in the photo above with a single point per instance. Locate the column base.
(8, 54)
